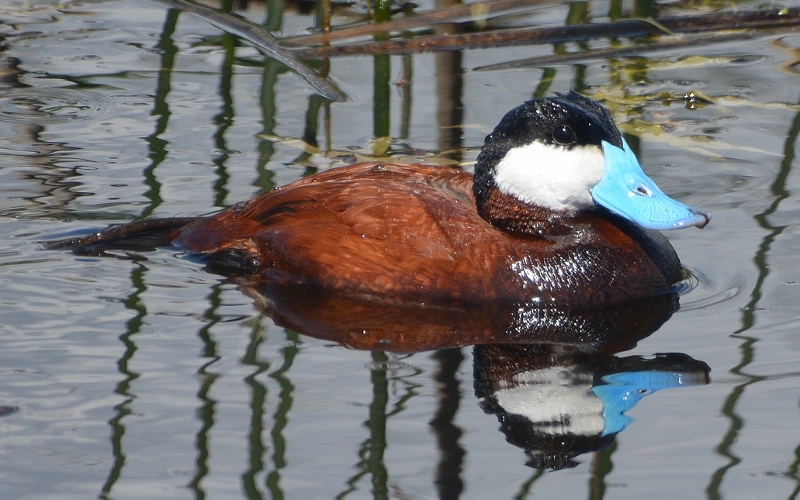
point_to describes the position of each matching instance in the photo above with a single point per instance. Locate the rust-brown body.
(413, 233)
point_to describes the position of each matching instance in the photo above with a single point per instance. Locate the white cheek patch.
(551, 176)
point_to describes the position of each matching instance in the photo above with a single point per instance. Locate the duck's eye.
(564, 135)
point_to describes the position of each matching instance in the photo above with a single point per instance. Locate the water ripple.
(702, 292)
(47, 105)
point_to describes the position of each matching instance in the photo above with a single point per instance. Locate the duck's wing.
(371, 228)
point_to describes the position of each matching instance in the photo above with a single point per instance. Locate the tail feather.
(139, 236)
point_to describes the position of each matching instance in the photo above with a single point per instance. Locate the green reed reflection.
(158, 146)
(382, 97)
(377, 429)
(793, 471)
(602, 465)
(371, 452)
(274, 19)
(317, 105)
(779, 192)
(135, 304)
(224, 119)
(281, 416)
(382, 104)
(447, 477)
(206, 410)
(525, 488)
(158, 153)
(256, 449)
(266, 147)
(545, 82)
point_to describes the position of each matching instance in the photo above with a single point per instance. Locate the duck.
(558, 212)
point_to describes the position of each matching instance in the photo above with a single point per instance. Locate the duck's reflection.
(413, 327)
(549, 375)
(557, 405)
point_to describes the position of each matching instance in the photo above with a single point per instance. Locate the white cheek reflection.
(557, 401)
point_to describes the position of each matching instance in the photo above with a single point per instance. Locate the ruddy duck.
(558, 213)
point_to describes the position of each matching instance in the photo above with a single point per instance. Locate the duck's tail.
(138, 236)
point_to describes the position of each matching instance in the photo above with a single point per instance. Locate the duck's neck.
(508, 213)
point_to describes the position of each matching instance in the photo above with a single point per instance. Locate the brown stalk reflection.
(449, 90)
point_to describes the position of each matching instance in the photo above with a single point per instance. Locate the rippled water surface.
(144, 376)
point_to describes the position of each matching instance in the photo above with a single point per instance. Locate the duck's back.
(396, 230)
(413, 233)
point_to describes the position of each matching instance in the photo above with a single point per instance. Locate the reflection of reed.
(375, 447)
(157, 145)
(258, 398)
(281, 416)
(382, 96)
(261, 39)
(135, 304)
(206, 410)
(371, 452)
(223, 120)
(779, 193)
(266, 148)
(157, 155)
(449, 90)
(601, 467)
(382, 105)
(447, 477)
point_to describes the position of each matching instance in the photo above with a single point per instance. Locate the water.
(146, 377)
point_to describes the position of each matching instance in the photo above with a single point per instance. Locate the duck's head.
(564, 155)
